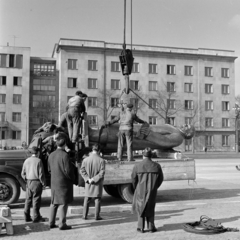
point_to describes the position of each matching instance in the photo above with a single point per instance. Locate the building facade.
(14, 96)
(171, 85)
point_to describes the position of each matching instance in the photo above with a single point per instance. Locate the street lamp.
(237, 115)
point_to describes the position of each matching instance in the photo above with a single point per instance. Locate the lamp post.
(237, 115)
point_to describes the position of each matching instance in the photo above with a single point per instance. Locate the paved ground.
(215, 193)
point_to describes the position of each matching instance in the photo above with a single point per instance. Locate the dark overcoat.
(147, 177)
(93, 167)
(62, 177)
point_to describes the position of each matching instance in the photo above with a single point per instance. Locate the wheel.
(9, 189)
(112, 190)
(126, 192)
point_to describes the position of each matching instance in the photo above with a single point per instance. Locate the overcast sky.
(39, 24)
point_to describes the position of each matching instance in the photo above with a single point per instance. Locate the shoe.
(140, 230)
(53, 226)
(41, 219)
(84, 218)
(98, 218)
(153, 230)
(28, 220)
(65, 227)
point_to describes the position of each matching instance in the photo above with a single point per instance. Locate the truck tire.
(112, 190)
(126, 192)
(9, 189)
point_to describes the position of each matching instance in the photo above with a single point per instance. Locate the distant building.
(183, 85)
(14, 95)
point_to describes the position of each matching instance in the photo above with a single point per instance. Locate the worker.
(92, 171)
(33, 174)
(126, 117)
(75, 113)
(147, 177)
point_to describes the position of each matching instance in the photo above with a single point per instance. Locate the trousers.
(125, 136)
(62, 214)
(33, 198)
(87, 201)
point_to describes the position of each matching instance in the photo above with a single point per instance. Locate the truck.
(117, 180)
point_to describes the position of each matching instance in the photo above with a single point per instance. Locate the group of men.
(147, 176)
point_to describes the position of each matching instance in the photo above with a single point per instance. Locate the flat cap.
(129, 105)
(61, 135)
(147, 152)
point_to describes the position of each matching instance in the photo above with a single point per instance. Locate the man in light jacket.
(92, 171)
(147, 177)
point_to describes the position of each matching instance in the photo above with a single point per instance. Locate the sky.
(39, 24)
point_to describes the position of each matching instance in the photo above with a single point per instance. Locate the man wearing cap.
(33, 174)
(62, 179)
(126, 117)
(75, 112)
(147, 177)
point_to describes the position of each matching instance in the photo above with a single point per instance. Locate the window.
(225, 106)
(135, 68)
(152, 120)
(171, 120)
(171, 87)
(225, 72)
(188, 104)
(208, 88)
(209, 140)
(208, 105)
(134, 102)
(2, 98)
(17, 98)
(115, 67)
(208, 72)
(92, 65)
(188, 70)
(188, 87)
(15, 61)
(72, 64)
(115, 84)
(2, 134)
(225, 89)
(134, 85)
(188, 120)
(114, 102)
(225, 122)
(17, 81)
(152, 86)
(171, 69)
(92, 101)
(43, 101)
(16, 117)
(92, 83)
(208, 122)
(225, 140)
(3, 60)
(3, 80)
(188, 145)
(171, 103)
(152, 68)
(2, 116)
(153, 103)
(16, 135)
(44, 69)
(44, 85)
(92, 120)
(72, 82)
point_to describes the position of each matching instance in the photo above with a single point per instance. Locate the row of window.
(44, 85)
(16, 135)
(152, 68)
(17, 81)
(11, 60)
(16, 116)
(44, 69)
(17, 98)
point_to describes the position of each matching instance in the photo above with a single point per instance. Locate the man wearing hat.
(126, 118)
(75, 110)
(33, 174)
(147, 177)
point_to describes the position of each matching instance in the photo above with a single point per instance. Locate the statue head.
(187, 130)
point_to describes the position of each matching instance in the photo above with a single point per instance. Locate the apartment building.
(178, 86)
(14, 95)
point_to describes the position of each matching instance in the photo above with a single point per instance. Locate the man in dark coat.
(92, 171)
(62, 179)
(147, 177)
